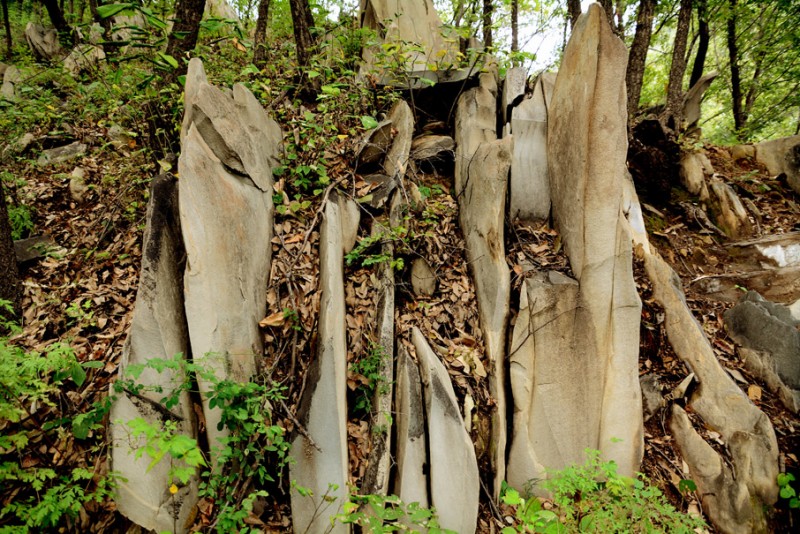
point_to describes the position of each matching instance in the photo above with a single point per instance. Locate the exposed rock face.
(43, 42)
(226, 217)
(692, 174)
(733, 503)
(11, 78)
(476, 122)
(433, 150)
(513, 88)
(83, 58)
(423, 279)
(553, 366)
(403, 128)
(454, 479)
(482, 217)
(158, 330)
(53, 156)
(782, 156)
(586, 150)
(323, 409)
(727, 210)
(761, 325)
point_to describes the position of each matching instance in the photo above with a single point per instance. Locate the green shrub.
(379, 513)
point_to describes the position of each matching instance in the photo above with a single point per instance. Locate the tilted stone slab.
(158, 330)
(321, 465)
(454, 478)
(402, 120)
(727, 209)
(226, 217)
(482, 219)
(724, 408)
(586, 152)
(513, 89)
(553, 365)
(476, 122)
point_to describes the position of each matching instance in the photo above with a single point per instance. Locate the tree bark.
(303, 21)
(672, 115)
(702, 47)
(183, 38)
(260, 38)
(10, 289)
(736, 82)
(608, 7)
(637, 57)
(58, 21)
(488, 10)
(574, 10)
(7, 25)
(515, 25)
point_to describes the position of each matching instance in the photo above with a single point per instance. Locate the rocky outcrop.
(476, 123)
(321, 451)
(454, 481)
(586, 151)
(482, 217)
(782, 156)
(693, 175)
(513, 90)
(734, 499)
(226, 217)
(727, 209)
(83, 58)
(158, 330)
(11, 79)
(43, 42)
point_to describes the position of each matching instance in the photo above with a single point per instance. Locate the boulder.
(43, 42)
(762, 366)
(476, 122)
(433, 151)
(782, 156)
(321, 452)
(54, 156)
(482, 220)
(761, 325)
(692, 174)
(454, 480)
(83, 58)
(226, 213)
(587, 173)
(375, 145)
(739, 152)
(158, 330)
(423, 279)
(724, 408)
(10, 88)
(553, 365)
(727, 209)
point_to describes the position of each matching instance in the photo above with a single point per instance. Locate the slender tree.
(736, 80)
(672, 114)
(488, 10)
(574, 10)
(58, 21)
(637, 57)
(260, 38)
(702, 46)
(185, 30)
(9, 274)
(303, 21)
(515, 25)
(7, 25)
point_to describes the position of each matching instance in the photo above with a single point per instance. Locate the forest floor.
(82, 292)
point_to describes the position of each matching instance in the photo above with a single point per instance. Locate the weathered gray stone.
(226, 215)
(11, 79)
(350, 215)
(423, 279)
(83, 58)
(77, 186)
(158, 330)
(383, 186)
(54, 156)
(739, 152)
(530, 186)
(724, 408)
(411, 480)
(553, 367)
(769, 251)
(652, 400)
(33, 248)
(454, 480)
(587, 176)
(782, 156)
(376, 144)
(323, 408)
(43, 42)
(762, 366)
(476, 122)
(692, 174)
(513, 88)
(482, 219)
(727, 209)
(761, 325)
(433, 150)
(693, 98)
(536, 107)
(403, 129)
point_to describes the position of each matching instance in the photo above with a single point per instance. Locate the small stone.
(61, 154)
(78, 189)
(423, 279)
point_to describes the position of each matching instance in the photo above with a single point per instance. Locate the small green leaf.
(368, 122)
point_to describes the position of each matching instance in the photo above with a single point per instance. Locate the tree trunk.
(183, 38)
(638, 54)
(58, 21)
(736, 82)
(105, 23)
(574, 9)
(702, 47)
(487, 23)
(303, 21)
(515, 25)
(672, 115)
(608, 7)
(7, 25)
(260, 39)
(9, 274)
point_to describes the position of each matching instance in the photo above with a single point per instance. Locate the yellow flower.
(173, 489)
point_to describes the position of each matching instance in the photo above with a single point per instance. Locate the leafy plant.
(786, 491)
(387, 513)
(361, 256)
(367, 371)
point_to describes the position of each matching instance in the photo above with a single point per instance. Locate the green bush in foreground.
(594, 498)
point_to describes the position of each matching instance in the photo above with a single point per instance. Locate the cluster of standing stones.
(571, 357)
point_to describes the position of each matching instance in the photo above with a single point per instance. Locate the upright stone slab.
(228, 153)
(476, 122)
(11, 79)
(513, 88)
(454, 480)
(402, 120)
(553, 367)
(586, 151)
(322, 466)
(158, 330)
(482, 218)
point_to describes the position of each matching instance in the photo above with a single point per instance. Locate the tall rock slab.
(482, 219)
(158, 330)
(229, 150)
(476, 123)
(586, 151)
(454, 480)
(321, 461)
